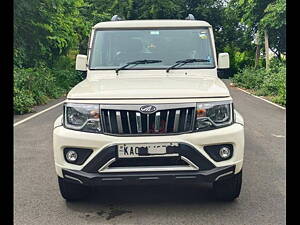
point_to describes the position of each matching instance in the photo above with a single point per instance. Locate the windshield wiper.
(185, 61)
(145, 61)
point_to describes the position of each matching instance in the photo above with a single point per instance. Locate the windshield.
(115, 48)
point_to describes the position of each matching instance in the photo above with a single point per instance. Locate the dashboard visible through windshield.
(114, 48)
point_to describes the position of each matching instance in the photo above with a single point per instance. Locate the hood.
(149, 87)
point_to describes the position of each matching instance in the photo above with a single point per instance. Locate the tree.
(265, 17)
(274, 21)
(47, 29)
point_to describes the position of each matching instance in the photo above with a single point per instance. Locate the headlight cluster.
(213, 114)
(83, 117)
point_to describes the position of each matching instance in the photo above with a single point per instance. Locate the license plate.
(138, 150)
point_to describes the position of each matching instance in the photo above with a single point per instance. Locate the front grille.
(129, 121)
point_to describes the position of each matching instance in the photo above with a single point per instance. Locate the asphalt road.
(262, 201)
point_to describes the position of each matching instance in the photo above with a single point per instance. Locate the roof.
(152, 23)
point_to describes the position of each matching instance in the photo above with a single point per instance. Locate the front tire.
(71, 191)
(228, 189)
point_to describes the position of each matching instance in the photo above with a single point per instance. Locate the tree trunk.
(257, 54)
(267, 49)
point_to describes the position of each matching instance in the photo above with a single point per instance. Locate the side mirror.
(223, 61)
(81, 62)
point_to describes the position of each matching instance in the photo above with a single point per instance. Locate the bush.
(65, 73)
(66, 79)
(270, 83)
(239, 59)
(34, 86)
(250, 78)
(23, 101)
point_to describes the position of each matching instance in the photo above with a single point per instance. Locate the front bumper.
(63, 138)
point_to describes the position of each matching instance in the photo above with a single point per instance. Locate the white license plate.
(138, 150)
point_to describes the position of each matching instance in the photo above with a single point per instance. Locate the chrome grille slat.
(193, 119)
(157, 122)
(128, 120)
(138, 122)
(148, 122)
(102, 119)
(176, 120)
(117, 121)
(186, 118)
(167, 120)
(109, 122)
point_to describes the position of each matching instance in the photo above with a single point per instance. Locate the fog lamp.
(71, 156)
(224, 152)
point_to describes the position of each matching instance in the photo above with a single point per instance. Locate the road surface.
(262, 201)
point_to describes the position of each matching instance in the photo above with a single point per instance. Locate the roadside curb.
(279, 106)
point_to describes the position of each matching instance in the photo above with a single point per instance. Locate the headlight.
(84, 117)
(213, 114)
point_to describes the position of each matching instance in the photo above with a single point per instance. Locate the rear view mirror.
(81, 62)
(223, 61)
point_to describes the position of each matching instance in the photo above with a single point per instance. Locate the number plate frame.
(140, 150)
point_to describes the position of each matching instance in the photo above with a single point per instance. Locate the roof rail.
(116, 18)
(190, 17)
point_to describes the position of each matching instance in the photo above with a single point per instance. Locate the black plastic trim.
(100, 159)
(183, 150)
(94, 179)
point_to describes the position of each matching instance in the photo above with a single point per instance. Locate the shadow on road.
(148, 195)
(113, 201)
(152, 194)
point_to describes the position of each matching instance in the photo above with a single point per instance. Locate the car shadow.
(149, 194)
(109, 202)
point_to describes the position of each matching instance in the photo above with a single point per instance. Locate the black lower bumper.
(95, 179)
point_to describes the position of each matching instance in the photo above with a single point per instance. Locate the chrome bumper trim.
(191, 167)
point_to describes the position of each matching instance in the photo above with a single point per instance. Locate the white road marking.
(261, 98)
(278, 135)
(37, 114)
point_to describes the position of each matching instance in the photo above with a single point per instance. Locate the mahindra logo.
(148, 109)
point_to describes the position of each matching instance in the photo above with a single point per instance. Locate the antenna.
(190, 17)
(116, 18)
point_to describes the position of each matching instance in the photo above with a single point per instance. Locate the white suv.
(151, 110)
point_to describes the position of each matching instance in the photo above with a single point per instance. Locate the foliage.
(265, 82)
(66, 76)
(49, 33)
(47, 29)
(249, 78)
(33, 86)
(261, 15)
(239, 59)
(274, 21)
